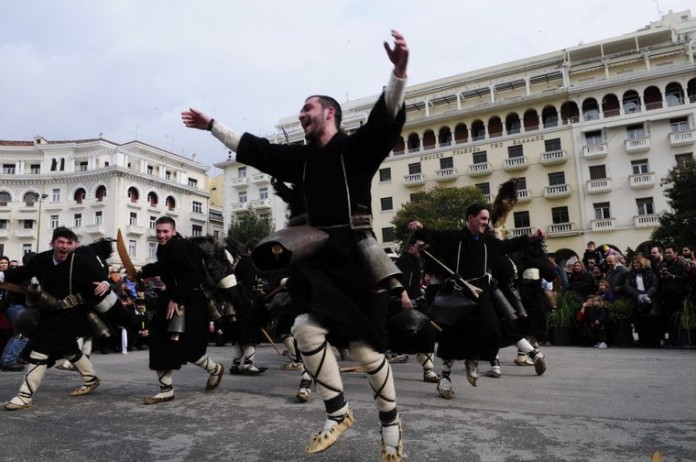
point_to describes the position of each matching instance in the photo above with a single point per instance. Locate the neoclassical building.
(96, 187)
(589, 131)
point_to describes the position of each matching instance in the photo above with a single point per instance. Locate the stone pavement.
(617, 405)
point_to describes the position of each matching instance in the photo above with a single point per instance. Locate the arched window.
(652, 98)
(428, 139)
(5, 198)
(531, 120)
(478, 130)
(80, 195)
(631, 102)
(495, 127)
(152, 199)
(413, 142)
(101, 193)
(570, 113)
(512, 123)
(445, 136)
(610, 106)
(590, 109)
(550, 117)
(399, 146)
(171, 203)
(133, 194)
(674, 95)
(461, 133)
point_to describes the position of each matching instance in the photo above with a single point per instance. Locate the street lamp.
(40, 198)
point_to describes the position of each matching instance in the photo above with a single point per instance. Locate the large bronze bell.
(98, 327)
(382, 271)
(177, 324)
(277, 250)
(37, 298)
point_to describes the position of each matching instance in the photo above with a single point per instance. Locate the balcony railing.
(25, 233)
(239, 182)
(480, 169)
(637, 145)
(599, 185)
(446, 174)
(553, 157)
(261, 204)
(525, 231)
(261, 178)
(682, 138)
(643, 221)
(559, 190)
(595, 151)
(135, 230)
(606, 224)
(524, 195)
(515, 163)
(560, 229)
(643, 180)
(414, 179)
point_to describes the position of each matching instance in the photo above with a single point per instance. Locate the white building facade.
(96, 187)
(589, 131)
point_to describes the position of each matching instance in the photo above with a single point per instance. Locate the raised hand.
(399, 54)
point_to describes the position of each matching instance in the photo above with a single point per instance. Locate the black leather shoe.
(12, 367)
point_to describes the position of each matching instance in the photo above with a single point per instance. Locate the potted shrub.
(621, 322)
(560, 323)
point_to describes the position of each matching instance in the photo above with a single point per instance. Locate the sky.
(74, 69)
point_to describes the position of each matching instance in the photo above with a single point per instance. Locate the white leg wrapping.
(289, 342)
(165, 382)
(379, 375)
(319, 359)
(86, 347)
(32, 379)
(426, 360)
(84, 366)
(249, 351)
(204, 362)
(524, 345)
(237, 354)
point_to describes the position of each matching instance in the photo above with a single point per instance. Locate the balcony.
(4, 233)
(446, 174)
(606, 224)
(515, 163)
(600, 185)
(561, 229)
(637, 145)
(135, 230)
(646, 221)
(25, 233)
(261, 179)
(553, 157)
(261, 204)
(524, 195)
(239, 182)
(643, 180)
(151, 232)
(480, 169)
(199, 217)
(525, 231)
(595, 151)
(414, 179)
(97, 230)
(682, 138)
(239, 206)
(556, 191)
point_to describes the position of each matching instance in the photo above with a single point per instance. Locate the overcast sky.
(127, 68)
